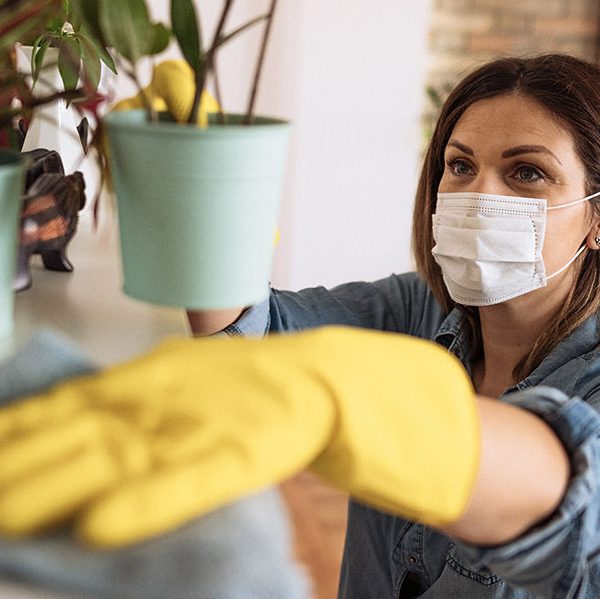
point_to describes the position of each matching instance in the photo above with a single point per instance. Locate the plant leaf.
(160, 37)
(90, 61)
(101, 51)
(126, 27)
(69, 61)
(86, 14)
(186, 28)
(37, 56)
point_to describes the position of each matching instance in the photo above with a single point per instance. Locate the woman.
(512, 290)
(506, 241)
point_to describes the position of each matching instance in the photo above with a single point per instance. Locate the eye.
(459, 167)
(528, 174)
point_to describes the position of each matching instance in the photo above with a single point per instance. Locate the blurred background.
(361, 82)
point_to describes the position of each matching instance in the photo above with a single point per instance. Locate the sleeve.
(396, 303)
(559, 558)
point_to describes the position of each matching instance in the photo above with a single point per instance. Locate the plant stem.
(249, 118)
(7, 116)
(201, 76)
(129, 70)
(221, 117)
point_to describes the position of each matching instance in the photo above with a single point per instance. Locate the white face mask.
(489, 247)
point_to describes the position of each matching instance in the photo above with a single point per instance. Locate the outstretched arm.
(197, 423)
(523, 475)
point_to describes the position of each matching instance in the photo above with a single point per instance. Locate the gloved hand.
(172, 89)
(146, 446)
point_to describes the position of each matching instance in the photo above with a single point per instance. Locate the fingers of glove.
(171, 497)
(28, 414)
(46, 476)
(180, 437)
(57, 443)
(43, 448)
(48, 497)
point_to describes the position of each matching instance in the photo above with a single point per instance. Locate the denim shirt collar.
(453, 334)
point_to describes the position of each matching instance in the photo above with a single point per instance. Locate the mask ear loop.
(596, 239)
(590, 197)
(569, 262)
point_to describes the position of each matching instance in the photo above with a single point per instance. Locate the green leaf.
(86, 14)
(55, 24)
(126, 27)
(159, 38)
(38, 52)
(69, 61)
(101, 51)
(90, 61)
(74, 17)
(186, 28)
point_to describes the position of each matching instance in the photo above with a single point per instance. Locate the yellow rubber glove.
(172, 89)
(146, 446)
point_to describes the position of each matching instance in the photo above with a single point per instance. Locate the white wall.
(349, 74)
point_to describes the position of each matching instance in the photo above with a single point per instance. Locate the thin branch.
(250, 111)
(129, 70)
(201, 76)
(219, 97)
(7, 116)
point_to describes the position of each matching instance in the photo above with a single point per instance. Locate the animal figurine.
(49, 214)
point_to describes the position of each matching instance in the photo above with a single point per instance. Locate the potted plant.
(63, 56)
(197, 204)
(18, 20)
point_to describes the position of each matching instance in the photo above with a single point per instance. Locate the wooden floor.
(319, 516)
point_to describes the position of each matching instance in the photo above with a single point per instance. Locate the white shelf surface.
(89, 305)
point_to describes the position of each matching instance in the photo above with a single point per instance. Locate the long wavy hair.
(570, 89)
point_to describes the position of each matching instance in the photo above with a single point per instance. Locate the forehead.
(512, 120)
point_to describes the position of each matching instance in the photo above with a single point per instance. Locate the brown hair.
(570, 89)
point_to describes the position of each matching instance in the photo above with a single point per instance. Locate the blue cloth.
(384, 556)
(241, 551)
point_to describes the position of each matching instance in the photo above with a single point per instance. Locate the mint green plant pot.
(197, 208)
(12, 180)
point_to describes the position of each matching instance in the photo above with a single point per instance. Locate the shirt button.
(413, 559)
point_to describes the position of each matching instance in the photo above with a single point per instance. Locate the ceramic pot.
(12, 180)
(197, 208)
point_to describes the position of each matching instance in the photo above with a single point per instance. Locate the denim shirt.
(388, 557)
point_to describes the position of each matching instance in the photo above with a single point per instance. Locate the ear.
(593, 237)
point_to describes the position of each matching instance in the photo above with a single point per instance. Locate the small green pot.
(12, 181)
(197, 208)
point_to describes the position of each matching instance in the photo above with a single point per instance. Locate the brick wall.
(465, 33)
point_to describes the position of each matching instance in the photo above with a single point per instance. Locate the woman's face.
(512, 145)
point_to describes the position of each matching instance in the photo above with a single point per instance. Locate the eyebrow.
(529, 150)
(516, 151)
(461, 147)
